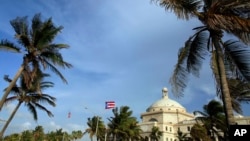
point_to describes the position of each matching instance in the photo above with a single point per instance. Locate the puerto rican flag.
(109, 104)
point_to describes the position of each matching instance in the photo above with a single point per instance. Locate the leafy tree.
(36, 43)
(229, 59)
(155, 134)
(31, 96)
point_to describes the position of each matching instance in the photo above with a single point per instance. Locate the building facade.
(170, 116)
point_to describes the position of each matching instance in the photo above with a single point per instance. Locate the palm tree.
(123, 126)
(32, 97)
(155, 134)
(198, 133)
(38, 133)
(36, 42)
(213, 118)
(96, 128)
(181, 136)
(217, 17)
(77, 134)
(240, 92)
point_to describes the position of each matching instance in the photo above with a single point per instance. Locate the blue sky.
(121, 50)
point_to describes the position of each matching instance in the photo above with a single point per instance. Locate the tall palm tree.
(155, 134)
(36, 42)
(32, 97)
(213, 118)
(217, 17)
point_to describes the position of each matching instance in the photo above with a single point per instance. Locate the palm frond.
(55, 58)
(220, 17)
(32, 110)
(47, 64)
(20, 25)
(9, 46)
(180, 75)
(44, 98)
(44, 109)
(184, 9)
(240, 57)
(197, 52)
(46, 34)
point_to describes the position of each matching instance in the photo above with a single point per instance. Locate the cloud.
(26, 126)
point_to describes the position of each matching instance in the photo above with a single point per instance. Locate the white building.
(170, 116)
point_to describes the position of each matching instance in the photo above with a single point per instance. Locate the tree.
(31, 96)
(36, 43)
(229, 59)
(181, 136)
(155, 134)
(213, 118)
(38, 133)
(198, 132)
(123, 126)
(77, 134)
(26, 135)
(240, 92)
(96, 128)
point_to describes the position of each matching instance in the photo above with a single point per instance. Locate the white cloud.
(26, 126)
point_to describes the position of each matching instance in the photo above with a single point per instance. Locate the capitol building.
(170, 116)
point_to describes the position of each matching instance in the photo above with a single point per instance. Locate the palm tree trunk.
(226, 98)
(11, 85)
(9, 120)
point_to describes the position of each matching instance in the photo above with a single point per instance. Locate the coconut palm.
(213, 118)
(182, 136)
(32, 97)
(218, 17)
(199, 132)
(38, 133)
(123, 126)
(155, 134)
(96, 128)
(240, 93)
(36, 42)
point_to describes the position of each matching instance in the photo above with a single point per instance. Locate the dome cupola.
(165, 104)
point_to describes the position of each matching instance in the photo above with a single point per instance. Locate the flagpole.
(97, 122)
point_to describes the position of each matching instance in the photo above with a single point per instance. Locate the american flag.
(109, 104)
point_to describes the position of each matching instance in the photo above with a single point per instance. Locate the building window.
(166, 128)
(170, 129)
(171, 139)
(179, 129)
(188, 128)
(166, 139)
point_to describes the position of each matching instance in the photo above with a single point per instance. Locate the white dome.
(165, 103)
